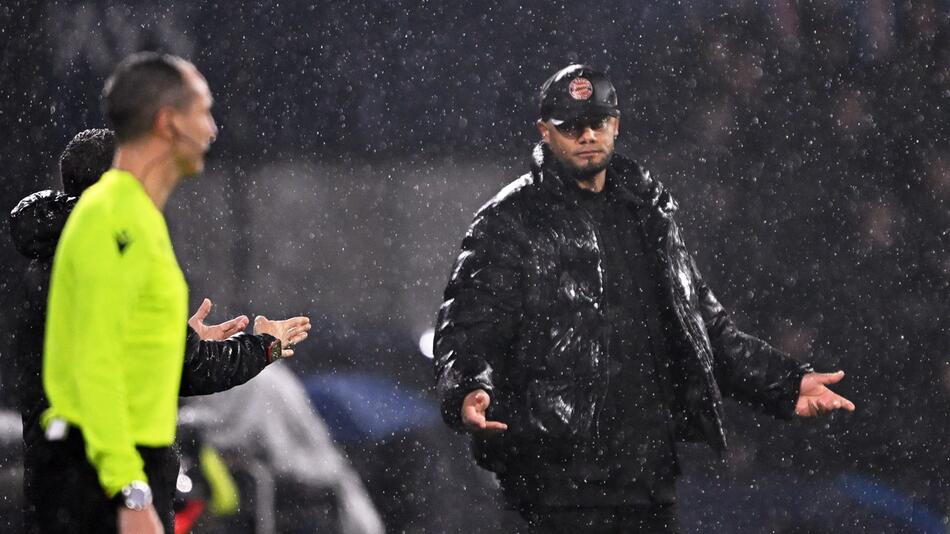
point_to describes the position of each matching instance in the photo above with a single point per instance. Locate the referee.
(115, 330)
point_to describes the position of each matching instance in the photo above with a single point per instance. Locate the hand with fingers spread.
(814, 397)
(215, 332)
(474, 407)
(290, 332)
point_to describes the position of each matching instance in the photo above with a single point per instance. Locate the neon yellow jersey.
(115, 328)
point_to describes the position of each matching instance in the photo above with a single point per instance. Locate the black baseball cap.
(578, 91)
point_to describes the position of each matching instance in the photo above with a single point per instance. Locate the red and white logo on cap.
(580, 89)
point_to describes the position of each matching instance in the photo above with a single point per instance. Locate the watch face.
(135, 500)
(137, 496)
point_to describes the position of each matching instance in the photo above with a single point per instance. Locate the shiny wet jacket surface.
(523, 318)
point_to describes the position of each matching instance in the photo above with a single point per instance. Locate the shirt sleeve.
(104, 270)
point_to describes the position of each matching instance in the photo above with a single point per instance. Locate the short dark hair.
(85, 158)
(138, 88)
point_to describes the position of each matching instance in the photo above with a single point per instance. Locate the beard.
(586, 171)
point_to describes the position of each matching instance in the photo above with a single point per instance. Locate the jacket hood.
(37, 221)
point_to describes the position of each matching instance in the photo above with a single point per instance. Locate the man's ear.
(164, 125)
(544, 131)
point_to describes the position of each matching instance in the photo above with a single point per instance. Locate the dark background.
(805, 141)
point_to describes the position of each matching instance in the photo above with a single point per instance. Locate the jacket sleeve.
(27, 357)
(480, 313)
(16, 361)
(214, 366)
(747, 368)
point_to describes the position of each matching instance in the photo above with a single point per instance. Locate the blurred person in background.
(578, 342)
(212, 363)
(270, 425)
(112, 366)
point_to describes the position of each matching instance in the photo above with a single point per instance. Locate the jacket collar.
(632, 184)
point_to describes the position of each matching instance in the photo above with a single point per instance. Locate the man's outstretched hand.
(473, 414)
(814, 397)
(215, 332)
(289, 331)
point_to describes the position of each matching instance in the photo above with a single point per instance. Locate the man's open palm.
(814, 397)
(473, 414)
(215, 332)
(289, 331)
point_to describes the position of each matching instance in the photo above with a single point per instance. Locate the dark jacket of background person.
(523, 319)
(35, 225)
(209, 367)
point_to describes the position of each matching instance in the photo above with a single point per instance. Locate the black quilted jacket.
(523, 318)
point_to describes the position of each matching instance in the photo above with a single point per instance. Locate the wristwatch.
(136, 495)
(274, 351)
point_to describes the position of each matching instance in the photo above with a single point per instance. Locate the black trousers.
(658, 519)
(67, 497)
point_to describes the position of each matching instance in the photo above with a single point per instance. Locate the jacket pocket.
(561, 409)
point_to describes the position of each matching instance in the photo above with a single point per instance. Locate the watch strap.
(274, 351)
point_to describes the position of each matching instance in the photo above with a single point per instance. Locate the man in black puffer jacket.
(217, 357)
(578, 342)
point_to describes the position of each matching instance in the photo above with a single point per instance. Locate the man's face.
(584, 146)
(194, 127)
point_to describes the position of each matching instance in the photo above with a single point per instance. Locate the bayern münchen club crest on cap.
(580, 89)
